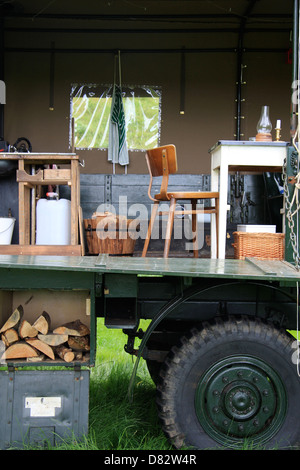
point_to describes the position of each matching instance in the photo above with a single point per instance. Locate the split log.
(86, 357)
(14, 320)
(42, 323)
(79, 343)
(41, 346)
(79, 356)
(26, 330)
(53, 339)
(9, 337)
(20, 350)
(65, 353)
(74, 328)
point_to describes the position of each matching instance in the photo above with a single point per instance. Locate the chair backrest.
(161, 161)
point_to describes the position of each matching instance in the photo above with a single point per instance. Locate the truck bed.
(250, 268)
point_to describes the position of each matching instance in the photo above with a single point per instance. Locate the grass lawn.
(115, 422)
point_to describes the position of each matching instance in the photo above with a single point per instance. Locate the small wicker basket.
(261, 245)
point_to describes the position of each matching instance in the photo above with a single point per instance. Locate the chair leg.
(194, 229)
(150, 227)
(170, 224)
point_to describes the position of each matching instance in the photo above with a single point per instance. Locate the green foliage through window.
(90, 108)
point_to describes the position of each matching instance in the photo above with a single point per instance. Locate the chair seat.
(187, 195)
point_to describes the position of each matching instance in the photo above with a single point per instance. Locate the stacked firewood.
(36, 342)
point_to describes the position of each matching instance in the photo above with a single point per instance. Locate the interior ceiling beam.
(143, 17)
(142, 51)
(236, 30)
(240, 66)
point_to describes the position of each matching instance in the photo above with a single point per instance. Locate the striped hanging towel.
(117, 147)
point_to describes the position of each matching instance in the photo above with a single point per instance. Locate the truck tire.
(231, 384)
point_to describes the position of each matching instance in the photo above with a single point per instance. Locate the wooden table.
(244, 156)
(29, 179)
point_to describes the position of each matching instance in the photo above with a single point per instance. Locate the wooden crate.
(109, 234)
(260, 245)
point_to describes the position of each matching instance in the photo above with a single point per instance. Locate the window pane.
(90, 107)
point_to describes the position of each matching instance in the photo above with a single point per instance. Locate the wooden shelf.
(29, 179)
(41, 250)
(45, 177)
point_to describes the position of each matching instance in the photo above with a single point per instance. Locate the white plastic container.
(257, 228)
(6, 230)
(53, 221)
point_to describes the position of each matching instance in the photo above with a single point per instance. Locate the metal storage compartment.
(42, 406)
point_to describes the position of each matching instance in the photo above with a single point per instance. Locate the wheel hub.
(238, 398)
(240, 402)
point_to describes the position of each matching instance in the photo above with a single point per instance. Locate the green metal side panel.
(291, 222)
(40, 406)
(21, 278)
(115, 286)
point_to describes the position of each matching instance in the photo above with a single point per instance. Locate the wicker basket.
(111, 236)
(258, 245)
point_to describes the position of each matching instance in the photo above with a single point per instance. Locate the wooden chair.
(162, 161)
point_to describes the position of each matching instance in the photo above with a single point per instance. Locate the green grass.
(115, 423)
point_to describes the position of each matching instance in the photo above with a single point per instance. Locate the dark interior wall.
(209, 97)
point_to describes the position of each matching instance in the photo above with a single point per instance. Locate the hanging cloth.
(117, 146)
